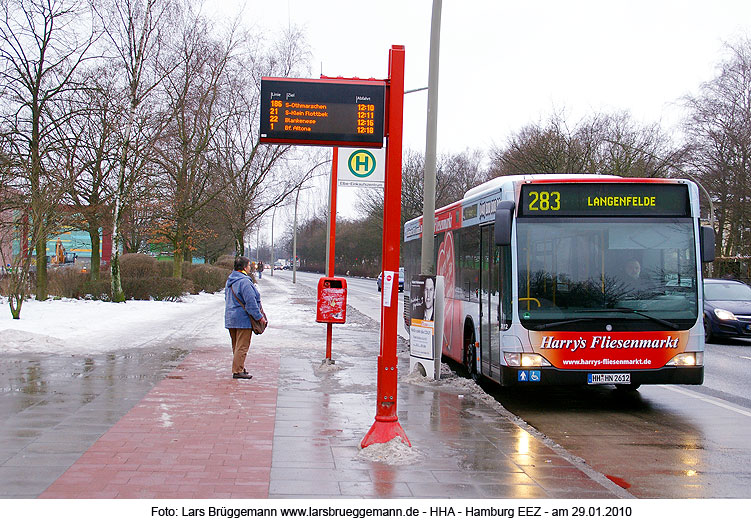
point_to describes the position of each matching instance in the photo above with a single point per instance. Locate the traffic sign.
(360, 167)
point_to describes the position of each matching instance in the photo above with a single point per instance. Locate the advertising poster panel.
(426, 304)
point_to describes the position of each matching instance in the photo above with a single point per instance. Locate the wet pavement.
(54, 407)
(664, 441)
(174, 424)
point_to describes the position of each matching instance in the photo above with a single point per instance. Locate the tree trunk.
(17, 292)
(239, 246)
(177, 267)
(187, 254)
(15, 302)
(41, 263)
(95, 247)
(116, 287)
(179, 245)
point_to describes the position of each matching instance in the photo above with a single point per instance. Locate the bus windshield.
(585, 273)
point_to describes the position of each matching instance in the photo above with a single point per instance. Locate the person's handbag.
(258, 326)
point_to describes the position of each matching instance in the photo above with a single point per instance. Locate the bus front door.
(490, 339)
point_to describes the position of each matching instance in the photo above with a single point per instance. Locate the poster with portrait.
(422, 299)
(426, 295)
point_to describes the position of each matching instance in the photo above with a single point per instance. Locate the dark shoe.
(244, 375)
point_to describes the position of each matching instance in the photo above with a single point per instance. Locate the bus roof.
(511, 181)
(501, 181)
(489, 193)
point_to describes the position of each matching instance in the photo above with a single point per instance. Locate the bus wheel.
(470, 356)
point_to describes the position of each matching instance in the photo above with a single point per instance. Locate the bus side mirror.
(503, 216)
(706, 239)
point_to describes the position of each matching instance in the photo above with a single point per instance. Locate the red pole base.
(383, 431)
(329, 335)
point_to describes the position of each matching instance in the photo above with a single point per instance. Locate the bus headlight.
(687, 359)
(525, 360)
(724, 314)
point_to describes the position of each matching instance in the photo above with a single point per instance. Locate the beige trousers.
(240, 346)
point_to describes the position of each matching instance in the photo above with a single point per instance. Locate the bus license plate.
(609, 378)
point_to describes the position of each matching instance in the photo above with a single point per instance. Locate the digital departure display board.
(333, 112)
(604, 199)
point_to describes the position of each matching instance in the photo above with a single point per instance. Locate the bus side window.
(505, 287)
(467, 243)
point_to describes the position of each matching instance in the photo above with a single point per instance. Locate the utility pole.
(258, 241)
(427, 261)
(272, 241)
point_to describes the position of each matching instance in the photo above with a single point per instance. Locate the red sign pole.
(332, 242)
(386, 426)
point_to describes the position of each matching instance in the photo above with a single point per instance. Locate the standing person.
(242, 301)
(259, 268)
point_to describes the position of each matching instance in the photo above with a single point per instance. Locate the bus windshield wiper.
(667, 323)
(564, 322)
(662, 321)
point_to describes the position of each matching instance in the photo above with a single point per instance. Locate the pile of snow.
(327, 367)
(16, 340)
(395, 452)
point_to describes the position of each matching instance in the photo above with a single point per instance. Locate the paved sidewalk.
(294, 430)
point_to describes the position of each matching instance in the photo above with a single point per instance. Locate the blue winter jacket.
(234, 314)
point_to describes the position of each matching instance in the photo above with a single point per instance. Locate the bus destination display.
(322, 112)
(604, 199)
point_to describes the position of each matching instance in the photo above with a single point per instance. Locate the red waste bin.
(332, 300)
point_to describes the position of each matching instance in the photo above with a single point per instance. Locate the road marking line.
(710, 400)
(744, 357)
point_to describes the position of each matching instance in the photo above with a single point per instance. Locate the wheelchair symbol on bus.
(529, 376)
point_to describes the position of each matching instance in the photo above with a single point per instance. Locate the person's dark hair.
(241, 262)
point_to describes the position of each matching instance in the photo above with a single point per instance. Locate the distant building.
(6, 238)
(76, 244)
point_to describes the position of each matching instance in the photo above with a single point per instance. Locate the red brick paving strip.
(197, 434)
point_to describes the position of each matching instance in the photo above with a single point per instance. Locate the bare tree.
(137, 31)
(90, 146)
(537, 149)
(601, 144)
(456, 173)
(40, 51)
(719, 132)
(194, 90)
(8, 207)
(258, 177)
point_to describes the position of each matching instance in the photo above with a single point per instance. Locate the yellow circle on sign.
(361, 163)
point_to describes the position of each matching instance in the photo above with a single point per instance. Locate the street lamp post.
(272, 241)
(294, 239)
(427, 260)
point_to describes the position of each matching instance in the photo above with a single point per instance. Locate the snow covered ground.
(90, 327)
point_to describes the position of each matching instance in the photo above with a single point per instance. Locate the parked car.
(727, 309)
(401, 280)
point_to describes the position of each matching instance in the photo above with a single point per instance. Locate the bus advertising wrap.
(609, 351)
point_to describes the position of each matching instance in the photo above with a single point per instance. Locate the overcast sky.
(505, 64)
